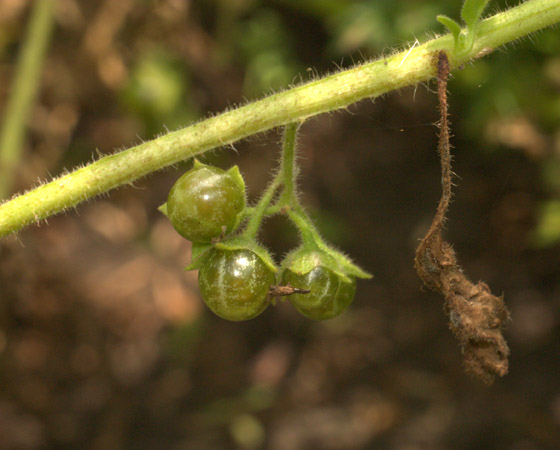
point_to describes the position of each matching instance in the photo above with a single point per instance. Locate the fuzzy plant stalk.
(289, 200)
(368, 80)
(24, 89)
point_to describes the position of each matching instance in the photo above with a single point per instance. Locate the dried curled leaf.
(476, 316)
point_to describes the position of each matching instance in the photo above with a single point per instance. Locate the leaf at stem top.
(451, 25)
(472, 10)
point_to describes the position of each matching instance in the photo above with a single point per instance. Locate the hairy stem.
(289, 169)
(285, 177)
(259, 211)
(327, 94)
(289, 199)
(24, 88)
(309, 234)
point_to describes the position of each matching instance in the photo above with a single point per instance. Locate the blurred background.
(104, 340)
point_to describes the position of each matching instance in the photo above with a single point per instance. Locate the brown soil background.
(105, 342)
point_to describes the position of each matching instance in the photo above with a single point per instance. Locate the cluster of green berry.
(237, 277)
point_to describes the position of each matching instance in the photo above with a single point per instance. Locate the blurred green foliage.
(547, 232)
(158, 92)
(267, 47)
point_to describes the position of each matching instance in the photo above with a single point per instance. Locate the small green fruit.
(235, 283)
(329, 277)
(206, 203)
(330, 293)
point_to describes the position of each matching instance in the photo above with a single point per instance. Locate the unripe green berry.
(206, 203)
(331, 287)
(235, 283)
(329, 295)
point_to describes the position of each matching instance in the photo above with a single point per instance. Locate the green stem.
(289, 168)
(311, 239)
(285, 177)
(309, 234)
(252, 229)
(336, 91)
(289, 199)
(250, 211)
(24, 89)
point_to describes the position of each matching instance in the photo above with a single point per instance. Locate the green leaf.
(451, 25)
(472, 10)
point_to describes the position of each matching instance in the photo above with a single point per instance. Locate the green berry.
(206, 203)
(331, 286)
(330, 293)
(235, 283)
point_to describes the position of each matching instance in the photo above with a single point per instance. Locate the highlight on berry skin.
(206, 203)
(235, 283)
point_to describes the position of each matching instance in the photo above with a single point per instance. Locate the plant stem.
(252, 229)
(309, 234)
(24, 88)
(288, 167)
(327, 94)
(289, 198)
(284, 177)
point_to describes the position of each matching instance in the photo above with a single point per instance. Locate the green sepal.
(240, 243)
(452, 26)
(198, 165)
(303, 260)
(163, 209)
(238, 179)
(199, 253)
(349, 267)
(471, 12)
